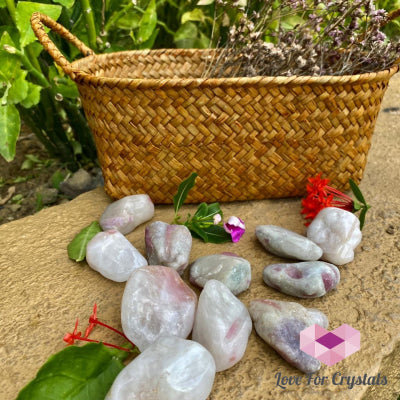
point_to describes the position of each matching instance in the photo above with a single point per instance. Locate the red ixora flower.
(320, 195)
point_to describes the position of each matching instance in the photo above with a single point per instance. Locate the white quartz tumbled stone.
(222, 324)
(337, 232)
(288, 244)
(230, 269)
(170, 369)
(168, 245)
(279, 323)
(156, 302)
(111, 254)
(127, 213)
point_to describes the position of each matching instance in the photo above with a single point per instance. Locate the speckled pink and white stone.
(156, 302)
(170, 369)
(279, 323)
(168, 245)
(112, 255)
(127, 213)
(305, 279)
(222, 325)
(337, 232)
(288, 244)
(230, 269)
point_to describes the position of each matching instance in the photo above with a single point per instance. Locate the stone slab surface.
(42, 292)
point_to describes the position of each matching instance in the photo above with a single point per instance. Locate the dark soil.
(25, 183)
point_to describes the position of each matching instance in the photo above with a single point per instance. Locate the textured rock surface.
(168, 245)
(156, 302)
(279, 323)
(233, 271)
(222, 324)
(288, 244)
(113, 255)
(306, 279)
(170, 369)
(43, 292)
(337, 232)
(127, 213)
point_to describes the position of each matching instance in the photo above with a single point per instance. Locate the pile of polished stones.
(159, 310)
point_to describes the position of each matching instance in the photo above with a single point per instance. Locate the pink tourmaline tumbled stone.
(279, 323)
(168, 245)
(156, 302)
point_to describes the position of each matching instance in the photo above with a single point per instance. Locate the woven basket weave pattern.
(155, 121)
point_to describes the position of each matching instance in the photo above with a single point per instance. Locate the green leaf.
(357, 192)
(77, 248)
(56, 179)
(197, 231)
(76, 373)
(3, 3)
(148, 44)
(33, 96)
(216, 234)
(23, 13)
(202, 210)
(148, 22)
(65, 3)
(362, 217)
(19, 88)
(186, 35)
(183, 191)
(10, 124)
(194, 15)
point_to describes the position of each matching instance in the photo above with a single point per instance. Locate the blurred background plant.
(34, 90)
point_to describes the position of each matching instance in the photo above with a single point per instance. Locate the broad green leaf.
(148, 22)
(188, 36)
(148, 44)
(65, 3)
(19, 88)
(205, 2)
(216, 234)
(33, 96)
(23, 13)
(201, 211)
(130, 20)
(357, 192)
(10, 63)
(3, 3)
(77, 248)
(10, 124)
(194, 15)
(183, 191)
(197, 232)
(76, 373)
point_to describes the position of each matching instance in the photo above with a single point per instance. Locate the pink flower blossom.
(235, 227)
(217, 219)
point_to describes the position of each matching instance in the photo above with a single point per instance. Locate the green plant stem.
(11, 9)
(116, 16)
(33, 59)
(32, 70)
(89, 18)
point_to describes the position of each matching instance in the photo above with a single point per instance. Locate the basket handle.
(37, 22)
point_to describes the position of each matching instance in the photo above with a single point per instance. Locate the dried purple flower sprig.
(327, 37)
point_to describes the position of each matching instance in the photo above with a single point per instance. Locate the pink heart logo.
(330, 347)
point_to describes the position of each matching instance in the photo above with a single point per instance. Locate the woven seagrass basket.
(155, 120)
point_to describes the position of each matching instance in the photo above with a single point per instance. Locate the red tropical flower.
(320, 195)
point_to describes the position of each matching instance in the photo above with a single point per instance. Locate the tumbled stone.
(222, 324)
(279, 323)
(168, 245)
(170, 369)
(156, 302)
(230, 269)
(304, 279)
(288, 244)
(111, 254)
(127, 213)
(337, 232)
